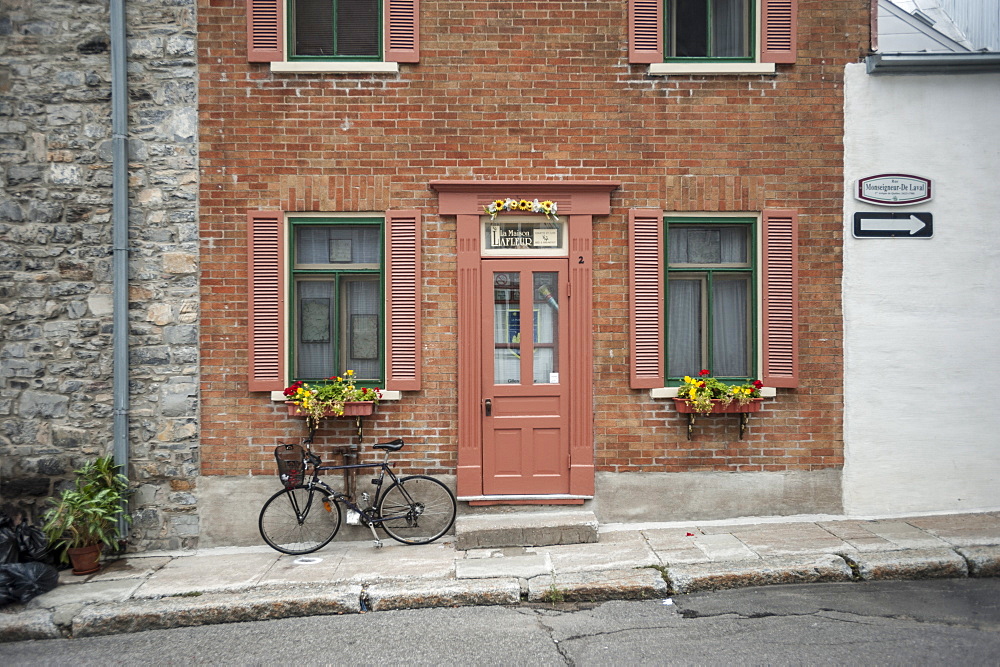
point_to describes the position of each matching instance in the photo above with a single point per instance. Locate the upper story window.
(709, 29)
(712, 36)
(335, 29)
(333, 35)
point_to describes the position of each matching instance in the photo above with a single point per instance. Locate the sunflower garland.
(547, 207)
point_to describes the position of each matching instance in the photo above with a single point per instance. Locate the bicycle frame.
(368, 514)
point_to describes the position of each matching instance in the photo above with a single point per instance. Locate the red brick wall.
(528, 90)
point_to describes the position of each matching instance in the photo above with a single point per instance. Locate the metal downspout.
(119, 236)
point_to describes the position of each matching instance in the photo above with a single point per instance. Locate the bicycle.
(305, 516)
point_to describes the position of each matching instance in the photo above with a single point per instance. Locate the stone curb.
(982, 561)
(461, 593)
(213, 608)
(637, 584)
(908, 564)
(29, 624)
(764, 572)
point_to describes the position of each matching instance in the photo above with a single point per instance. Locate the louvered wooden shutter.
(646, 297)
(265, 32)
(402, 280)
(402, 30)
(645, 31)
(779, 25)
(266, 295)
(780, 301)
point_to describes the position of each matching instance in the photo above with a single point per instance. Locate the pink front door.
(525, 376)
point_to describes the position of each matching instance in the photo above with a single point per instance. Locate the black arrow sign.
(873, 224)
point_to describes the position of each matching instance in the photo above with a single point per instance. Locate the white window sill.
(671, 392)
(279, 397)
(335, 67)
(665, 69)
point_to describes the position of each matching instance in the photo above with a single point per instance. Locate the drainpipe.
(119, 236)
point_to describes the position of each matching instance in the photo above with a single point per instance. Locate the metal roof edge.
(932, 63)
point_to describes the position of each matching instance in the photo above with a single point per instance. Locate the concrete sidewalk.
(163, 590)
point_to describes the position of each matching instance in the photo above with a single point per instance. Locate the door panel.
(525, 420)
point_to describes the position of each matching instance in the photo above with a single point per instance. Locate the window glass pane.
(313, 23)
(714, 244)
(546, 327)
(685, 326)
(731, 325)
(315, 305)
(690, 28)
(339, 245)
(360, 329)
(730, 21)
(507, 327)
(357, 27)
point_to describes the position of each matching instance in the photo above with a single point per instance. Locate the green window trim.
(701, 272)
(291, 39)
(670, 24)
(300, 273)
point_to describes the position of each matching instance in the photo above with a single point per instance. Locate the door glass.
(546, 327)
(506, 327)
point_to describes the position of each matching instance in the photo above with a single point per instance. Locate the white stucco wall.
(922, 316)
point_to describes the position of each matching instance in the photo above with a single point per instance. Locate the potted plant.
(338, 396)
(705, 395)
(86, 516)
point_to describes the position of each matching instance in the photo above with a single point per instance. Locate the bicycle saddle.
(393, 446)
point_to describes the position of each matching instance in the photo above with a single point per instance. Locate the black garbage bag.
(19, 582)
(8, 545)
(32, 544)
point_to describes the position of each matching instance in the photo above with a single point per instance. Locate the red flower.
(757, 384)
(702, 384)
(704, 371)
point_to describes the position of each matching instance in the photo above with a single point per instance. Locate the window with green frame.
(324, 29)
(337, 296)
(710, 29)
(711, 305)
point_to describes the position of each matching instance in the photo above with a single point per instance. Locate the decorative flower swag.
(549, 208)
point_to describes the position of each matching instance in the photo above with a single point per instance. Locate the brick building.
(694, 155)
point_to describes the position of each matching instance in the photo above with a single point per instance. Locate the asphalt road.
(891, 622)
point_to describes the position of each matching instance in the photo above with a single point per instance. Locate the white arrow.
(913, 225)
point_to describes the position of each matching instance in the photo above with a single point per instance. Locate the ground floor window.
(337, 285)
(710, 296)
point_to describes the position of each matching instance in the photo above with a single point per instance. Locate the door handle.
(489, 407)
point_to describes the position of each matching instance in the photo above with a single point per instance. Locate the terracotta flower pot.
(85, 560)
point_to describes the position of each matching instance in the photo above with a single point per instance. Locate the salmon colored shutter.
(645, 31)
(265, 32)
(266, 294)
(402, 286)
(645, 227)
(780, 303)
(402, 30)
(779, 27)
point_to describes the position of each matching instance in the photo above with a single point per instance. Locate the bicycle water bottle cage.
(291, 460)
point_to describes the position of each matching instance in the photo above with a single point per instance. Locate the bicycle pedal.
(378, 544)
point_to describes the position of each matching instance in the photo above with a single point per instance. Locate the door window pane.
(546, 327)
(506, 327)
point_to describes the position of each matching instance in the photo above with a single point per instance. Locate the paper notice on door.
(553, 378)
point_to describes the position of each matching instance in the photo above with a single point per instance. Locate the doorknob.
(489, 407)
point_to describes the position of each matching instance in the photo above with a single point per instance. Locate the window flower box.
(351, 409)
(719, 407)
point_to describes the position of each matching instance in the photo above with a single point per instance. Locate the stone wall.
(56, 249)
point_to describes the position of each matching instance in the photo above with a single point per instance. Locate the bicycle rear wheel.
(299, 520)
(417, 510)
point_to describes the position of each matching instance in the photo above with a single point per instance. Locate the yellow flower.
(524, 205)
(348, 373)
(498, 203)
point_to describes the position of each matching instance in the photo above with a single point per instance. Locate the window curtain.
(729, 28)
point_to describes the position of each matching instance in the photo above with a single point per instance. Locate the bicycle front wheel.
(417, 510)
(299, 520)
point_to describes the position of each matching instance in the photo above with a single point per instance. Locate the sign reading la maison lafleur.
(893, 189)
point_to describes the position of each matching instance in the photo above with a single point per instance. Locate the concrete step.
(525, 529)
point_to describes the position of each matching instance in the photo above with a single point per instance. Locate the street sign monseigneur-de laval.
(879, 225)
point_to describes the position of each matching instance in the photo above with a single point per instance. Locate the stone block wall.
(56, 249)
